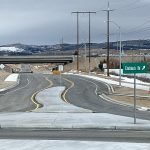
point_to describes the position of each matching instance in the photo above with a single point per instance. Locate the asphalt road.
(84, 134)
(85, 94)
(82, 94)
(19, 97)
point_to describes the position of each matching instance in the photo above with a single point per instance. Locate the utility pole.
(108, 11)
(62, 44)
(89, 13)
(89, 36)
(77, 51)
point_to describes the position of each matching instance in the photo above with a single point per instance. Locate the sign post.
(134, 98)
(133, 68)
(60, 68)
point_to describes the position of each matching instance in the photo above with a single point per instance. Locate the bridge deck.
(35, 59)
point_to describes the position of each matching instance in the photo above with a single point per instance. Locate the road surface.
(84, 93)
(84, 134)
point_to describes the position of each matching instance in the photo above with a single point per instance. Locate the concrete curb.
(72, 127)
(105, 97)
(130, 95)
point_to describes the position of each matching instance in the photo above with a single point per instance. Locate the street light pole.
(120, 52)
(108, 43)
(89, 42)
(120, 57)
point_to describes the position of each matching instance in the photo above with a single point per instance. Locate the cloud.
(46, 21)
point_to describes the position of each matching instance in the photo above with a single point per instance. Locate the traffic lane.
(25, 68)
(83, 94)
(22, 79)
(58, 80)
(84, 134)
(19, 98)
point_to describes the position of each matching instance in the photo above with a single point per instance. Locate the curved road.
(85, 93)
(19, 97)
(82, 92)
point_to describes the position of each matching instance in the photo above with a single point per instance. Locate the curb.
(75, 128)
(105, 97)
(129, 95)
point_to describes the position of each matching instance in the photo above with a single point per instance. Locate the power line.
(108, 10)
(126, 7)
(89, 13)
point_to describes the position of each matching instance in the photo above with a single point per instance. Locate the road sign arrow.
(143, 67)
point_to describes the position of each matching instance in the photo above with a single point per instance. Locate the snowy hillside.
(11, 49)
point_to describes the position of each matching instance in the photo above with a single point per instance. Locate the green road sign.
(131, 68)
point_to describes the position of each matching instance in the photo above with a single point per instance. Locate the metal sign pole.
(60, 78)
(134, 98)
(134, 68)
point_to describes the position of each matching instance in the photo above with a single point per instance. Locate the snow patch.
(11, 49)
(12, 77)
(127, 82)
(6, 144)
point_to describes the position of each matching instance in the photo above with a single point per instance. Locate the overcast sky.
(47, 21)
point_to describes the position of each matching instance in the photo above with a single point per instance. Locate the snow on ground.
(127, 82)
(12, 77)
(70, 121)
(11, 49)
(144, 75)
(70, 145)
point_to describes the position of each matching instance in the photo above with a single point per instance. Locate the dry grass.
(144, 102)
(3, 75)
(141, 101)
(83, 64)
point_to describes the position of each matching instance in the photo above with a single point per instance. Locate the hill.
(22, 49)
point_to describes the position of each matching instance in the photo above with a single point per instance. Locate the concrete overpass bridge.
(35, 59)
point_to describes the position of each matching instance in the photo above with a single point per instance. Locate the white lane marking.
(92, 83)
(114, 101)
(123, 104)
(110, 88)
(28, 82)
